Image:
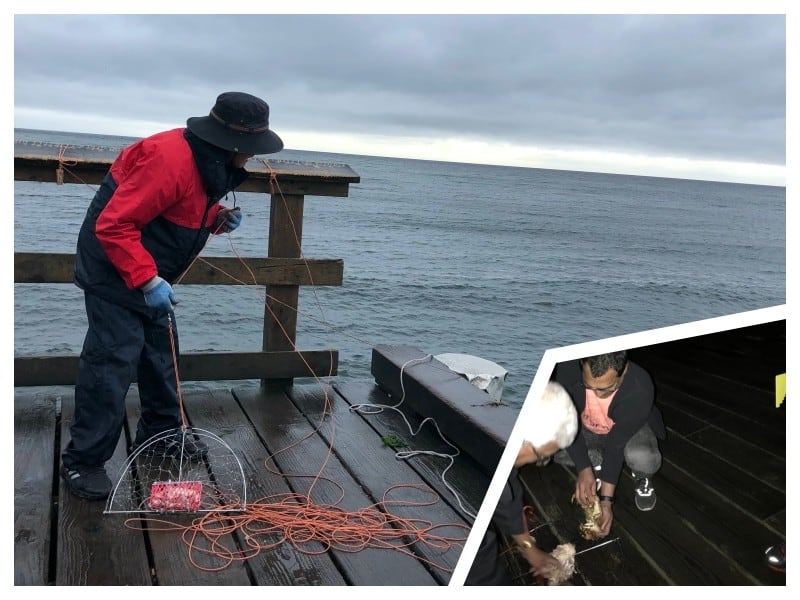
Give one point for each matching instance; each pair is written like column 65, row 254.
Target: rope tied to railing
column 62, row 162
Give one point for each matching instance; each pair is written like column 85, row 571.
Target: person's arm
column 569, row 375
column 540, row 561
column 607, row 491
column 510, row 520
column 145, row 192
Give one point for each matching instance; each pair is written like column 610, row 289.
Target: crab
column 565, row 555
column 590, row 528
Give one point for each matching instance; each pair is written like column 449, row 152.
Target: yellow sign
column 780, row 389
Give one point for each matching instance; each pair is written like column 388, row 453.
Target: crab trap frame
column 183, row 470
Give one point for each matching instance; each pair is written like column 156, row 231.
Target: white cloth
column 482, row 373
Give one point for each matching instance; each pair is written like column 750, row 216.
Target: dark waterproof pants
column 121, row 343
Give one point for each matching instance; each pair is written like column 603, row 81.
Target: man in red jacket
column 147, row 223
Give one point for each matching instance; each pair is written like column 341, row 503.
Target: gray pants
column 641, row 452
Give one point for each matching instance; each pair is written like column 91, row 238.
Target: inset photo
column 656, row 458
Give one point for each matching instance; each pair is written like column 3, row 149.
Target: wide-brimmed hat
column 238, row 122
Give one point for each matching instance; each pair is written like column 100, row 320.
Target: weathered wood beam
column 35, row 267
column 198, row 366
column 89, row 164
column 285, row 241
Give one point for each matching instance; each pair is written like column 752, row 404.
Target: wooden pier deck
column 722, row 485
column 302, row 439
column 63, row 540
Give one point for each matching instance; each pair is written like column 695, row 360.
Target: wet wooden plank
column 724, row 392
column 777, row 522
column 34, row 455
column 751, row 458
column 753, row 431
column 749, row 356
column 313, row 469
column 466, row 476
column 382, row 475
column 737, row 533
column 216, row 411
column 731, row 482
column 672, row 541
column 93, row 548
column 680, row 421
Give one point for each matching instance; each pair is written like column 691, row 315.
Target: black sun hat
column 238, row 122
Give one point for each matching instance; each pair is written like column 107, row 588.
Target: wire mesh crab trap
column 183, row 470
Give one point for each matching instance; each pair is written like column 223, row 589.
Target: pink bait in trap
column 176, row 496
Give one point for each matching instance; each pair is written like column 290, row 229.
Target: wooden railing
column 283, row 271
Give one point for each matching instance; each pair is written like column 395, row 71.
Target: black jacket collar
column 218, row 177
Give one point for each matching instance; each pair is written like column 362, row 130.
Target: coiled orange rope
column 310, row 528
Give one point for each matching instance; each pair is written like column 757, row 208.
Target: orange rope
column 310, row 528
column 62, row 163
column 175, row 367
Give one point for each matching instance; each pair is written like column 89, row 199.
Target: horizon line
column 401, row 156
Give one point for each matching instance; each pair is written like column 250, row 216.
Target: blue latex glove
column 158, row 294
column 228, row 219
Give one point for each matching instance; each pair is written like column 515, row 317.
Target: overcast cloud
column 693, row 87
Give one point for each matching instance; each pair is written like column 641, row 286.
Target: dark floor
column 61, row 540
column 722, row 485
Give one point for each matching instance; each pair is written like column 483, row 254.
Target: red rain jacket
column 151, row 216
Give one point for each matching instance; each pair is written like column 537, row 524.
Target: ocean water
column 498, row 262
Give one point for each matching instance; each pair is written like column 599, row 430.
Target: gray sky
column 697, row 96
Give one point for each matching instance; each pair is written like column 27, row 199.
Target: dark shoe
column 645, row 495
column 91, row 483
column 175, row 444
column 776, row 557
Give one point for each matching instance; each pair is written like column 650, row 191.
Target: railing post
column 285, row 241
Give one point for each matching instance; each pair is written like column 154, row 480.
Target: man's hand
column 540, row 561
column 606, row 519
column 586, row 487
column 227, row 220
column 158, row 294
